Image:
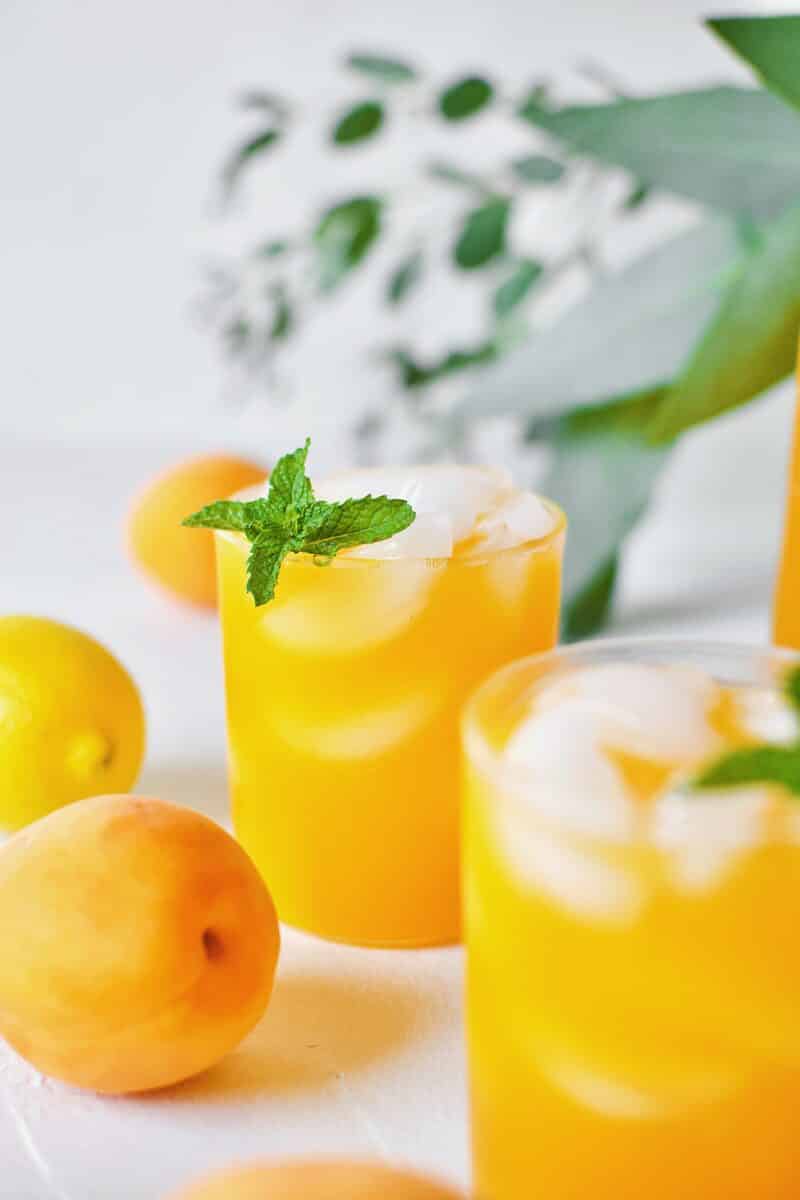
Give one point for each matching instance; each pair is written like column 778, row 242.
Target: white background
column 114, row 119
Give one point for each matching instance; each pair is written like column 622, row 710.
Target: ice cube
column 363, row 735
column 705, row 834
column 347, row 607
column 657, row 712
column 579, row 880
column 459, row 494
column 766, row 716
column 567, row 777
column 519, row 518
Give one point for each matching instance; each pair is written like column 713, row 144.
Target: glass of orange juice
column 786, row 615
column 633, row 974
column 343, row 696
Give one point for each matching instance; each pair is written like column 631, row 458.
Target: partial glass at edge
column 647, row 1043
column 343, row 700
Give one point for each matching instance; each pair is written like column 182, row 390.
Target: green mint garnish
column 289, row 520
column 761, row 763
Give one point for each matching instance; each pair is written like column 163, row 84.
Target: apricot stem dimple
column 212, row 945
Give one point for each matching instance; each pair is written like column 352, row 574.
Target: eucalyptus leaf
column 465, row 98
column 450, row 173
column 733, row 149
column 634, row 330
column 538, row 168
column 282, row 314
column 253, row 148
column 770, row 45
column 387, row 70
column 358, row 123
column 483, row 234
column 404, row 278
column 343, row 236
column 751, row 344
column 589, row 609
column 269, row 103
column 519, row 283
column 603, row 479
column 414, row 374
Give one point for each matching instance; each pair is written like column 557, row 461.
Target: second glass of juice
column 633, row 974
column 343, row 697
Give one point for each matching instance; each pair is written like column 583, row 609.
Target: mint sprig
column 290, row 520
column 761, row 763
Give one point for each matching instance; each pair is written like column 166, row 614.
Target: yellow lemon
column 71, row 720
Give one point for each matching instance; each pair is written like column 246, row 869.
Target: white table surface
column 360, row 1051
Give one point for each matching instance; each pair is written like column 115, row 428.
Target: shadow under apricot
column 316, row 1027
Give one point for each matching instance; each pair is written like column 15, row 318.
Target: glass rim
column 477, row 746
column 537, row 544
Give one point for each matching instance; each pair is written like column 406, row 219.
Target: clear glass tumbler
column 343, row 701
column 633, row 971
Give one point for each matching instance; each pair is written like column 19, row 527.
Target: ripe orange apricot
column 138, row 943
column 320, row 1179
column 182, row 560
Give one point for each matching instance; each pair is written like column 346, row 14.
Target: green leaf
column 272, row 249
column 343, row 236
column 770, row 45
column 752, row 342
column 415, row 374
column 355, row 523
column 269, row 103
column 253, row 148
column 359, row 123
column 516, row 287
column 388, row 70
column 222, row 514
column 754, row 764
column 603, row 480
column 791, row 689
column 269, row 548
column 633, row 331
column 450, row 173
column 589, row 609
column 465, row 98
column 290, row 490
column 535, row 102
column 733, row 149
column 282, row 314
column 404, row 278
column 538, row 168
column 483, row 234
column 639, row 194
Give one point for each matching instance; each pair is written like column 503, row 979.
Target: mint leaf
column 791, row 689
column 754, row 764
column 759, row 764
column 222, row 514
column 290, row 520
column 356, row 523
column 267, row 553
column 290, row 490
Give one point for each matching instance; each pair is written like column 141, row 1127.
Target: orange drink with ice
column 787, row 595
column 343, row 695
column 633, row 973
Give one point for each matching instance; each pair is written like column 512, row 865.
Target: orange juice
column 633, row 975
column 343, row 695
column 787, row 596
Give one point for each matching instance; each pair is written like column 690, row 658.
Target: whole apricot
column 138, row 944
column 181, row 560
column 320, row 1179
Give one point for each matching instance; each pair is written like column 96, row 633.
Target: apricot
column 181, row 560
column 321, row 1179
column 138, row 944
